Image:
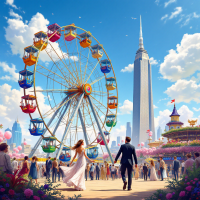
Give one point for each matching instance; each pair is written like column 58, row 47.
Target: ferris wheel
column 70, row 71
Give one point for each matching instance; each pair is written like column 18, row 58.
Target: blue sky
column 171, row 33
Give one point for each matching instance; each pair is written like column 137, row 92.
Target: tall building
column 10, row 141
column 159, row 132
column 17, row 133
column 128, row 129
column 119, row 139
column 166, row 128
column 113, row 144
column 26, row 149
column 143, row 113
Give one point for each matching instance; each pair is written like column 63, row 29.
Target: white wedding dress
column 153, row 176
column 75, row 175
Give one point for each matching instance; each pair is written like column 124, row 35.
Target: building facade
column 159, row 133
column 143, row 113
column 119, row 139
column 16, row 133
column 113, row 144
column 128, row 129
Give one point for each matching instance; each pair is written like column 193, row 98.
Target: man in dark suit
column 97, row 171
column 48, row 167
column 128, row 152
column 176, row 165
column 145, row 170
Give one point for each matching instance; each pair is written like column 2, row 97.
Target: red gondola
column 27, row 105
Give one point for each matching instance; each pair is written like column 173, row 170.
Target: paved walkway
column 112, row 190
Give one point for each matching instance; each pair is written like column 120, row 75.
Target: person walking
column 128, row 152
column 48, row 167
column 25, row 168
column 197, row 160
column 137, row 173
column 145, row 170
column 97, row 171
column 60, row 172
column 107, row 171
column 153, row 176
column 162, row 167
column 182, row 167
column 158, row 168
column 43, row 171
column 102, row 172
column 188, row 164
column 5, row 164
column 87, row 169
column 149, row 171
column 54, row 170
column 113, row 172
column 176, row 165
column 34, row 169
column 14, row 165
column 92, row 172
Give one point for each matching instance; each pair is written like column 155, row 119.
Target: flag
column 173, row 101
column 148, row 131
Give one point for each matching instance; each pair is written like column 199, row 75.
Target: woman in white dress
column 164, row 173
column 75, row 175
column 153, row 176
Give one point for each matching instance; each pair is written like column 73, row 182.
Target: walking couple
column 74, row 175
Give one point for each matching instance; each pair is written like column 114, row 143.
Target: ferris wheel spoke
column 98, row 79
column 86, row 64
column 78, row 58
column 92, row 71
column 51, row 78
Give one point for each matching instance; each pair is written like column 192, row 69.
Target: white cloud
column 177, row 11
column 118, row 132
column 153, row 61
column 126, row 108
column 129, row 68
column 164, row 17
column 154, row 106
column 13, row 14
column 184, row 61
column 11, row 3
column 169, row 2
column 190, row 27
column 196, row 15
column 10, row 70
column 184, row 91
column 196, row 109
column 162, row 99
column 163, row 118
column 157, row 2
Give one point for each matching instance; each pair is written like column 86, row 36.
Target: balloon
column 22, row 155
column 1, row 134
column 1, row 139
column 122, row 140
column 25, row 143
column 10, row 154
column 7, row 135
column 138, row 145
column 118, row 144
column 150, row 133
column 19, row 148
column 16, row 150
column 142, row 144
column 14, row 154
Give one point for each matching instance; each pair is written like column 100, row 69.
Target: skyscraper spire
column 141, row 46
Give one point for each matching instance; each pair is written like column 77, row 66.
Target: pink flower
column 185, row 180
column 28, row 192
column 193, row 182
column 36, row 198
column 189, row 188
column 169, row 196
column 2, row 189
column 199, row 182
column 11, row 192
column 186, row 177
column 182, row 194
column 196, row 179
column 188, row 183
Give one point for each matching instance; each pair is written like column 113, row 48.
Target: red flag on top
column 148, row 131
column 173, row 101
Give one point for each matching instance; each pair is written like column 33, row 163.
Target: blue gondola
column 92, row 152
column 36, row 127
column 105, row 66
column 65, row 156
column 25, row 79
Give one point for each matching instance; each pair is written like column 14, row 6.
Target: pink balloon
column 138, row 145
column 7, row 135
column 1, row 139
column 14, row 154
column 1, row 133
column 16, row 150
column 25, row 143
column 150, row 133
column 118, row 144
column 19, row 148
column 142, row 144
column 122, row 140
column 10, row 154
column 22, row 155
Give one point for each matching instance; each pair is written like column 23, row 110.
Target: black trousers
column 123, row 170
column 161, row 173
column 145, row 176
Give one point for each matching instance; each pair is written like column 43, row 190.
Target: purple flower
column 169, row 196
column 160, row 195
column 182, row 194
column 189, row 188
column 173, row 193
column 40, row 192
column 46, row 186
column 196, row 179
column 7, row 185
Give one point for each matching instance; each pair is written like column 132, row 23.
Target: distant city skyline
column 128, row 129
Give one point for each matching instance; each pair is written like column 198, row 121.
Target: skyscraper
column 159, row 132
column 17, row 133
column 143, row 113
column 128, row 129
column 113, row 144
column 119, row 139
column 10, row 141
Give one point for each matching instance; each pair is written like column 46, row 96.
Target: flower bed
column 18, row 188
column 187, row 188
column 181, row 129
column 173, row 143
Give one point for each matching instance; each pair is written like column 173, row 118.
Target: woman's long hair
column 77, row 145
column 152, row 163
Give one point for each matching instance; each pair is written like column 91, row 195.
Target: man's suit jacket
column 97, row 168
column 128, row 152
column 145, row 169
column 176, row 165
column 48, row 164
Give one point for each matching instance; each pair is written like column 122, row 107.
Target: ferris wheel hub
column 87, row 89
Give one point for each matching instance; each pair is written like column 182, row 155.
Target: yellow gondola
column 29, row 58
column 85, row 39
column 96, row 51
column 110, row 83
column 39, row 40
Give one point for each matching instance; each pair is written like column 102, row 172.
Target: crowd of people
column 104, row 171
